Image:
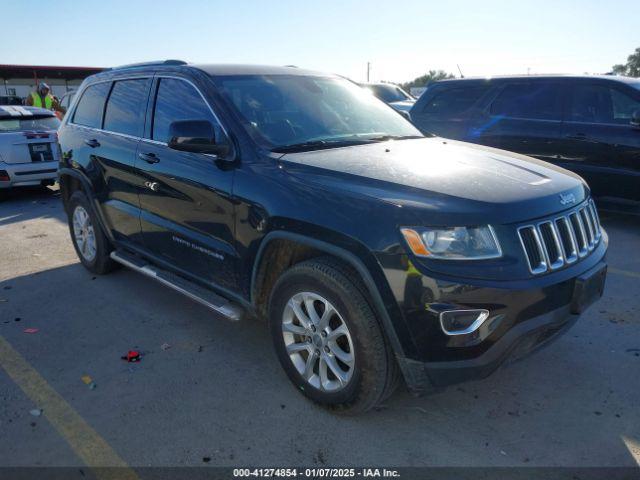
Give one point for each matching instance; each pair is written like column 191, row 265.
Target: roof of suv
column 501, row 78
column 231, row 69
column 214, row 69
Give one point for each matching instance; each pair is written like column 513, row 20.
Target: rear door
column 599, row 142
column 108, row 156
column 187, row 209
column 123, row 126
column 523, row 117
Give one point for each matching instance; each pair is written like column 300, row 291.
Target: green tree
column 631, row 68
column 424, row 80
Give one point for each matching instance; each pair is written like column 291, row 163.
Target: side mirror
column 197, row 136
column 635, row 119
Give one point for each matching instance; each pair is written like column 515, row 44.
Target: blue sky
column 401, row 39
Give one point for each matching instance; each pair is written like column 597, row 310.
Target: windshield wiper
column 384, row 138
column 318, row 145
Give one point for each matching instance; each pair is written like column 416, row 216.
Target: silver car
column 29, row 151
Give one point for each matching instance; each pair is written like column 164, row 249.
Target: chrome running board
column 195, row 292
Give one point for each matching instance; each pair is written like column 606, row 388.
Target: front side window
column 91, row 105
column 539, row 101
column 126, row 107
column 28, row 124
column 177, row 100
column 316, row 111
column 454, row 101
column 601, row 104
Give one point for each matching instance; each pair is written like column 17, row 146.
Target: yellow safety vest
column 37, row 100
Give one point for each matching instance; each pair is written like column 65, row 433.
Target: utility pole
column 368, row 70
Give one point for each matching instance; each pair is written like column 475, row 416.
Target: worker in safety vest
column 42, row 98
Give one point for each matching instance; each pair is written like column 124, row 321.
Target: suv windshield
column 34, row 123
column 389, row 93
column 309, row 112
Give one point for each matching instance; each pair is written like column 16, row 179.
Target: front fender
column 374, row 280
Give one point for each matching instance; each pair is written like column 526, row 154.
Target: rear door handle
column 149, row 157
column 93, row 143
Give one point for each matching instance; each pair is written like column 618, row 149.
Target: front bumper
column 32, row 173
column 523, row 317
column 518, row 342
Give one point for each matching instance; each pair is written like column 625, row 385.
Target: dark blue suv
column 374, row 252
column 587, row 124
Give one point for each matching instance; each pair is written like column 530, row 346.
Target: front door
column 186, row 206
column 599, row 143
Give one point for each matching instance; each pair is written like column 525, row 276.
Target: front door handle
column 93, row 143
column 149, row 157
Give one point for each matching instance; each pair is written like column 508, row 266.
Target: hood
column 442, row 176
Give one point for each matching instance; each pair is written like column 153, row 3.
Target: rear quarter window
column 91, row 105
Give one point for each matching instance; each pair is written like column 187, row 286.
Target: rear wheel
column 328, row 339
column 92, row 246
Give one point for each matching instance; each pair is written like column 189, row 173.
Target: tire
column 96, row 260
column 368, row 374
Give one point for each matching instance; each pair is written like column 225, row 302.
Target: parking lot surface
column 216, row 395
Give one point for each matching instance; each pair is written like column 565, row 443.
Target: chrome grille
column 554, row 243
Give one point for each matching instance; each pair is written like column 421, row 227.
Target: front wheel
column 328, row 339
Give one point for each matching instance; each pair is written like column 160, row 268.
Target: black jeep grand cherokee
column 299, row 197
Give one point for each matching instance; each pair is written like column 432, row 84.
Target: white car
column 29, row 151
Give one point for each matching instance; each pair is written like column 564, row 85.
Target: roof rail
column 150, row 64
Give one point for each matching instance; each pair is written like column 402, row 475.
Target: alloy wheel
column 318, row 342
column 84, row 234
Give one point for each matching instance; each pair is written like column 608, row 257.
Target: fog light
column 4, row 176
column 462, row 322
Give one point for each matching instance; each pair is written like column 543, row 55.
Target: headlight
column 453, row 243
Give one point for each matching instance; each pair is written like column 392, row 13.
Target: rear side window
column 454, row 101
column 126, row 106
column 601, row 104
column 178, row 100
column 532, row 101
column 91, row 105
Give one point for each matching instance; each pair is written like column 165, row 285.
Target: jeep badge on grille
column 567, row 199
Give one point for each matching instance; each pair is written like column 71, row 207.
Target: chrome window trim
column 139, row 77
column 80, row 94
